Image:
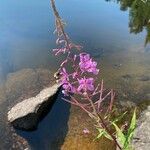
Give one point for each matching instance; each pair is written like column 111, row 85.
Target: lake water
column 116, row 34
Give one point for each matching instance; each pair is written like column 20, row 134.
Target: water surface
column 115, row 33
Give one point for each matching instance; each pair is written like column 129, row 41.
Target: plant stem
column 103, row 123
column 58, row 18
column 109, row 132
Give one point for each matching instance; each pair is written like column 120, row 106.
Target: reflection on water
column 139, row 16
column 26, row 39
column 104, row 31
column 52, row 130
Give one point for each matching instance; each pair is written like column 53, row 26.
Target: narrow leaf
column 101, row 133
column 119, row 118
column 120, row 135
column 131, row 129
column 107, row 136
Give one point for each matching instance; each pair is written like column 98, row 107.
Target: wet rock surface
column 141, row 140
column 144, row 78
column 26, row 114
column 124, row 79
column 19, row 143
column 77, row 140
column 9, row 140
column 26, row 83
column 19, row 85
column 127, row 76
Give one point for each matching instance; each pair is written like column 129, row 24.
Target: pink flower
column 86, row 131
column 84, row 57
column 86, row 84
column 64, row 76
column 87, row 64
column 74, row 75
column 68, row 88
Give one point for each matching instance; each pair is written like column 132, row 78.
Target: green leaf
column 131, row 129
column 102, row 132
column 121, row 137
column 107, row 136
column 119, row 118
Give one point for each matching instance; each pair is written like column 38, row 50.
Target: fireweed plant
column 81, row 88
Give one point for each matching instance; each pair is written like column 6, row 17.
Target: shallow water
column 117, row 39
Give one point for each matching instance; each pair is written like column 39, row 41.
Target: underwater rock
column 19, row 143
column 117, row 65
column 144, row 78
column 148, row 96
column 26, row 114
column 76, row 139
column 141, row 140
column 26, row 83
column 127, row 76
column 2, row 94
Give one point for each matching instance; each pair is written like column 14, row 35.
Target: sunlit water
column 27, row 39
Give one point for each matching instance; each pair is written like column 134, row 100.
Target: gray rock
column 26, row 83
column 141, row 140
column 144, row 78
column 26, row 114
column 148, row 96
column 127, row 104
column 117, row 65
column 127, row 76
column 2, row 94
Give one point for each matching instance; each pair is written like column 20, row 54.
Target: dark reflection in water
column 52, row 130
column 139, row 16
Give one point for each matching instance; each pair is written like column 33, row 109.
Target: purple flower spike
column 68, row 88
column 74, row 75
column 87, row 64
column 64, row 76
column 84, row 57
column 86, row 84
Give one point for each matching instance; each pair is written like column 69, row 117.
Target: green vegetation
column 123, row 137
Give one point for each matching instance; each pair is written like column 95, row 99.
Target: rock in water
column 26, row 114
column 141, row 140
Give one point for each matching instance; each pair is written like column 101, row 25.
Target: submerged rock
column 77, row 139
column 26, row 114
column 26, row 83
column 127, row 76
column 19, row 143
column 144, row 78
column 141, row 140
